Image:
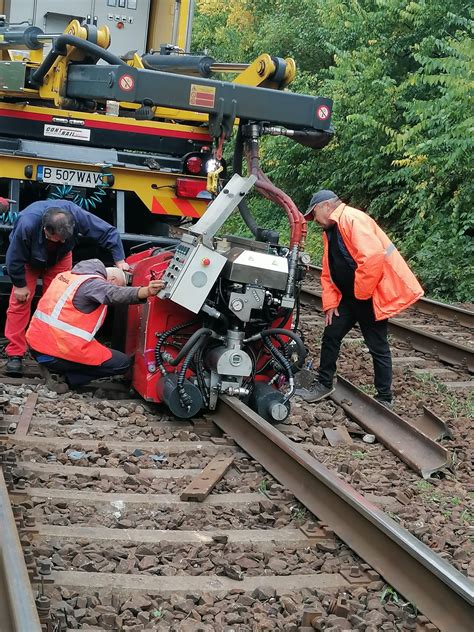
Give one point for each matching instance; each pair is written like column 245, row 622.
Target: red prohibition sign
column 126, row 83
column 322, row 112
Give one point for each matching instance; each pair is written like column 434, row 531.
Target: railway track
column 443, row 345
column 123, row 530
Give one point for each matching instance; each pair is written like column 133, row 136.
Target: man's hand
column 151, row 289
column 154, row 287
column 329, row 314
column 123, row 265
column 22, row 294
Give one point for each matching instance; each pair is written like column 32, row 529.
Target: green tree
column 400, row 75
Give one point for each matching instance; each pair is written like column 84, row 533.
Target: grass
column 359, row 454
column 263, row 486
column 446, row 504
column 389, row 594
column 299, row 513
column 458, row 407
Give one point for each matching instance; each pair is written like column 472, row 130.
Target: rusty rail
column 446, row 350
column 464, row 317
column 403, row 438
column 17, row 605
column 439, row 591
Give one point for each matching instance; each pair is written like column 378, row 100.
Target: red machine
column 222, row 323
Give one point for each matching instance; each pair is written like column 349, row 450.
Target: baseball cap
column 320, row 196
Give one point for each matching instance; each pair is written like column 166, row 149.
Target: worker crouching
column 62, row 331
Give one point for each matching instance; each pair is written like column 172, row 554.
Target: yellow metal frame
column 119, row 120
column 155, row 189
column 259, row 71
column 146, row 184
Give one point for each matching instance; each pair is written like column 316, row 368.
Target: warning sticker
column 204, row 96
column 323, row 112
column 126, row 83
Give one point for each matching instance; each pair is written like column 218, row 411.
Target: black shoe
column 385, row 402
column 14, row 366
column 315, row 393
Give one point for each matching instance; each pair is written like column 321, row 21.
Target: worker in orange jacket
column 61, row 335
column 366, row 281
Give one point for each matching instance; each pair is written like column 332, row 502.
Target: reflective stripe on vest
column 389, row 250
column 54, row 321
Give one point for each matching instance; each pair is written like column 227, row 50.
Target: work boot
column 315, row 393
column 385, row 402
column 53, row 382
column 14, row 366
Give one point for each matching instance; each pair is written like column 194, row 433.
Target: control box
column 191, row 274
column 126, row 19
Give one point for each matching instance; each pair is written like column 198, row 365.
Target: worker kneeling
column 62, row 331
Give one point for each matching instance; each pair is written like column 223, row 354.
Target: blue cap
column 320, row 196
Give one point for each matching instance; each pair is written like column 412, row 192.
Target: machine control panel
column 191, row 274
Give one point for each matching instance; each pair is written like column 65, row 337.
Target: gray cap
column 320, row 196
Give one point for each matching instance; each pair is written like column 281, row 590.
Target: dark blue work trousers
column 77, row 374
column 375, row 332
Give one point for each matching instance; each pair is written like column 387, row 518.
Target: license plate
column 73, row 177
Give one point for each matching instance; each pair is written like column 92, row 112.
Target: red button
column 206, row 261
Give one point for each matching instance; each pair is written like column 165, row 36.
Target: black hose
column 59, row 49
column 199, row 333
column 278, row 356
column 184, row 398
column 275, row 331
column 161, row 339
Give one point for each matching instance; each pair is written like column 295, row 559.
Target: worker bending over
column 40, row 246
column 62, row 331
column 365, row 280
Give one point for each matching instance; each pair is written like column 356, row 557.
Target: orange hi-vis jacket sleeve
column 381, row 273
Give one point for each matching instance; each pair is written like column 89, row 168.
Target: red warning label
column 126, row 83
column 204, row 96
column 323, row 112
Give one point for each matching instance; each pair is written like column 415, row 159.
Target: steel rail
column 440, row 592
column 446, row 350
column 403, row 438
column 463, row 316
column 17, row 605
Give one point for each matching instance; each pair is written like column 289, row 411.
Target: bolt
column 28, row 555
column 30, row 521
column 310, row 615
column 355, row 571
column 43, row 604
column 44, row 567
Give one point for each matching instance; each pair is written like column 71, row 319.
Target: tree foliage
column 400, row 73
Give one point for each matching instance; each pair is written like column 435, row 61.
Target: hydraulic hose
column 265, row 187
column 265, row 234
column 197, row 335
column 284, row 363
column 278, row 331
column 161, row 339
column 60, row 49
column 184, row 398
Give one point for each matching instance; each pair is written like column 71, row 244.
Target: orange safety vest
column 58, row 329
column 381, row 274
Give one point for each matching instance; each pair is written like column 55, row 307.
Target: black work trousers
column 77, row 374
column 375, row 332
